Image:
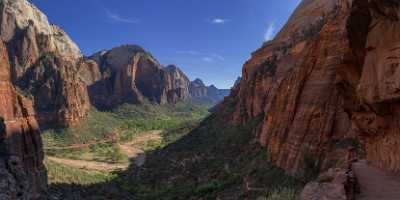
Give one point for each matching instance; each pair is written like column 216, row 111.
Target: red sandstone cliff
column 129, row 74
column 329, row 75
column 23, row 175
column 44, row 64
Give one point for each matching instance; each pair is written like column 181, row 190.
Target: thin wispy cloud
column 218, row 57
column 269, row 34
column 219, row 21
column 206, row 57
column 188, row 52
column 213, row 58
column 117, row 18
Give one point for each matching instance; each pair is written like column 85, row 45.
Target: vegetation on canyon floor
column 200, row 160
column 102, row 137
column 125, row 122
column 215, row 160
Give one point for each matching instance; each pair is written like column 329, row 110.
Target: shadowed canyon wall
column 23, row 175
column 330, row 75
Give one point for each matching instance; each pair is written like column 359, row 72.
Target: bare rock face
column 176, row 85
column 129, row 74
column 59, row 93
column 44, row 64
column 329, row 76
column 376, row 117
column 198, row 90
column 292, row 81
column 23, row 175
column 335, row 184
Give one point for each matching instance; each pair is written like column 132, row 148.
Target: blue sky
column 207, row 39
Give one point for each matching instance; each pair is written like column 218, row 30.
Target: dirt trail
column 376, row 184
column 133, row 149
column 78, row 146
column 90, row 165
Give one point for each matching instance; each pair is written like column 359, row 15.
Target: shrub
column 58, row 173
column 312, row 166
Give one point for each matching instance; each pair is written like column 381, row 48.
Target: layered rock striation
column 23, row 175
column 328, row 77
column 129, row 74
column 44, row 64
column 198, row 90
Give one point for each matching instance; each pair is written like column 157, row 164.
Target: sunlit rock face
column 23, row 175
column 328, row 76
column 129, row 74
column 44, row 64
column 198, row 90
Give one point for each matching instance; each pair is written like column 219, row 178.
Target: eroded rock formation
column 212, row 94
column 378, row 90
column 332, row 185
column 23, row 175
column 129, row 74
column 329, row 76
column 44, row 64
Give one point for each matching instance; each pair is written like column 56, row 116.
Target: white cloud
column 118, row 18
column 208, row 59
column 269, row 34
column 218, row 57
column 188, row 52
column 219, row 21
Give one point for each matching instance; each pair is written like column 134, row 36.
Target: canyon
column 323, row 93
column 47, row 82
column 50, row 68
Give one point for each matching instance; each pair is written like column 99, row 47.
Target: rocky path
column 376, row 184
column 133, row 149
column 90, row 165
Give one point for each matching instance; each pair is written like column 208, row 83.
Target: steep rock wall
column 378, row 89
column 198, row 90
column 40, row 52
column 129, row 74
column 328, row 77
column 23, row 175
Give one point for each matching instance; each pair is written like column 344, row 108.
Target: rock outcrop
column 336, row 184
column 129, row 74
column 328, row 77
column 44, row 64
column 198, row 90
column 376, row 116
column 23, row 175
column 176, row 85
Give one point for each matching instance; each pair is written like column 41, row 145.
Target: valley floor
column 163, row 153
column 133, row 149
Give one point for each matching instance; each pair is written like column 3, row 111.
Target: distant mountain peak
column 171, row 68
column 132, row 48
column 198, row 82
